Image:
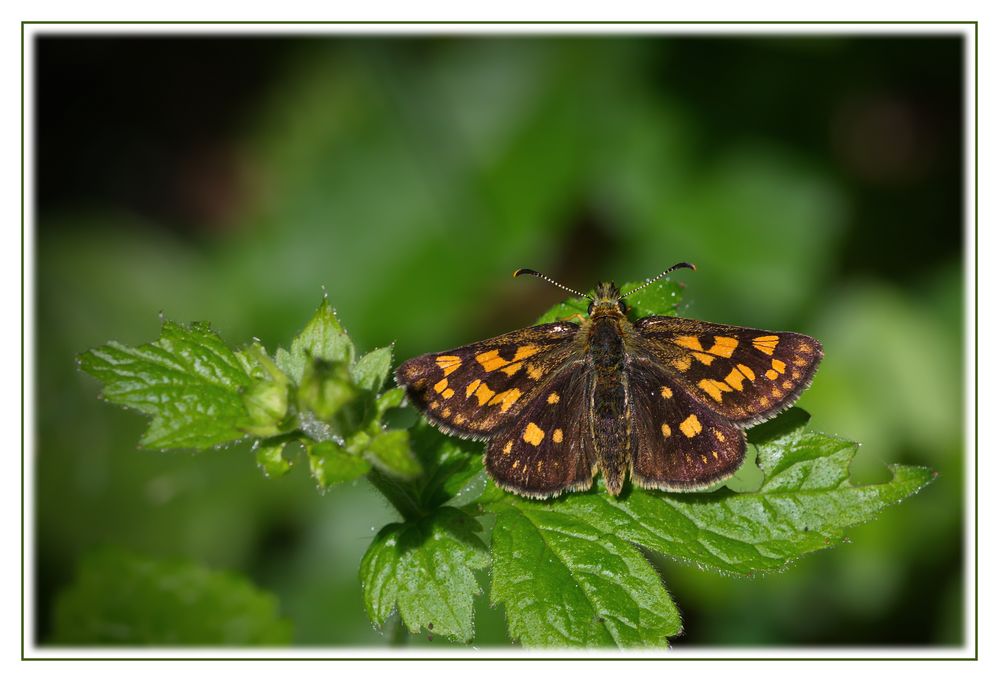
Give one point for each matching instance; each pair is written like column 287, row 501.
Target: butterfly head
column 607, row 298
column 607, row 301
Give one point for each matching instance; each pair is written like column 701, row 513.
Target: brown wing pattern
column 548, row 448
column 744, row 374
column 677, row 443
column 473, row 390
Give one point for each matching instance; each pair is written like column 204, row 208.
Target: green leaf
column 266, row 404
column 323, row 338
column 390, row 399
column 659, row 298
column 187, row 380
column 568, row 308
column 371, row 370
column 425, row 569
column 331, row 464
column 567, row 582
column 119, row 598
column 270, row 459
column 805, row 503
column 390, row 452
column 326, row 388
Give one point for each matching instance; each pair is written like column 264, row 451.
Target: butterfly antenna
column 535, row 273
column 689, row 266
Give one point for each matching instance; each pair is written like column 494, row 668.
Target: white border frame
column 966, row 30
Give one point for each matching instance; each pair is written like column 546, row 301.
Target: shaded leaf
column 390, row 452
column 331, row 464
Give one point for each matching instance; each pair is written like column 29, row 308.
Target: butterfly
column 663, row 400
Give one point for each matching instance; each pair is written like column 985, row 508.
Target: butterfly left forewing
column 743, row 374
column 473, row 390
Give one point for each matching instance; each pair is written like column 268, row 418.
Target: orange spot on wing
column 766, row 344
column 448, row 363
column 666, row 392
column 724, row 346
column 735, row 379
column 746, row 372
column 553, row 398
column 440, row 385
column 484, row 393
column 534, row 371
column 533, row 434
column 666, row 430
column 506, row 399
column 510, row 370
column 772, row 374
column 690, row 426
column 525, row 352
column 714, row 388
column 682, row 364
column 471, row 388
column 704, row 358
column 690, row 342
column 557, row 435
column 491, row 360
column 778, row 365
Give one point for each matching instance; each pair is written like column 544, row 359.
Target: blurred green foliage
column 815, row 183
column 120, row 599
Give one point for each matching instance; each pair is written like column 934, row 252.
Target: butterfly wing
column 744, row 374
column 548, row 448
column 677, row 444
column 474, row 389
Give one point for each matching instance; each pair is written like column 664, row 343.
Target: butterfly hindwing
column 746, row 375
column 475, row 389
column 677, row 444
column 548, row 448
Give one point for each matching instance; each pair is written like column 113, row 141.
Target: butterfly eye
column 623, row 307
column 589, row 308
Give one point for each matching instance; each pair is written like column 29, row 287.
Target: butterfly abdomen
column 609, row 401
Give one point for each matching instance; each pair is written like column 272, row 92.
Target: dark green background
column 816, row 183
